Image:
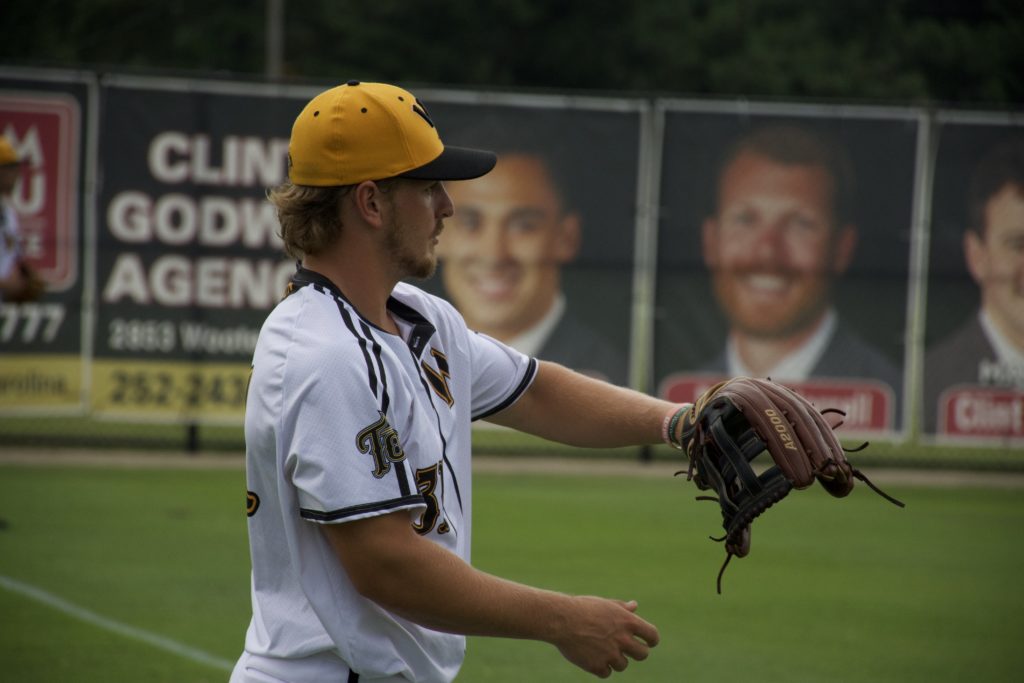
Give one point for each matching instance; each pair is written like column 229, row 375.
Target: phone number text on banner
column 200, row 392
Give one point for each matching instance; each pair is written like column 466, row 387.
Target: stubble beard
column 410, row 259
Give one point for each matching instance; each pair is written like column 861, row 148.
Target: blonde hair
column 310, row 217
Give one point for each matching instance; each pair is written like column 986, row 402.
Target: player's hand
column 602, row 634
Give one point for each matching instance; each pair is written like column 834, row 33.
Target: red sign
column 869, row 405
column 45, row 130
column 981, row 412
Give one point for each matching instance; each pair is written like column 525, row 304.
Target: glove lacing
column 773, row 494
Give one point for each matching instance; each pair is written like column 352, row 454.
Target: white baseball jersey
column 10, row 240
column 345, row 421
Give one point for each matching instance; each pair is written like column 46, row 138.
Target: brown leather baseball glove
column 733, row 423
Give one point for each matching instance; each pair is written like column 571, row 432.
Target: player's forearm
column 424, row 583
column 436, row 589
column 565, row 406
column 454, row 597
column 412, row 577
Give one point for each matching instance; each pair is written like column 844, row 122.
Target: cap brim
column 455, row 163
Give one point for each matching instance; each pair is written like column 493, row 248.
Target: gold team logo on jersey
column 252, row 503
column 438, row 378
column 380, row 440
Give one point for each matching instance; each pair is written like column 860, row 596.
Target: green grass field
column 88, row 432
column 849, row 590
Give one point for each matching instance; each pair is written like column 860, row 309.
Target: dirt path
column 482, row 463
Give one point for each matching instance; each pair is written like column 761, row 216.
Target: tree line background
column 968, row 52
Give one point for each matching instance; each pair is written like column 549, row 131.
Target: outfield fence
column 142, row 204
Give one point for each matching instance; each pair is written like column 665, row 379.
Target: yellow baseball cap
column 8, row 156
column 372, row 131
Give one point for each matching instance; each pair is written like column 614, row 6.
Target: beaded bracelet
column 669, row 424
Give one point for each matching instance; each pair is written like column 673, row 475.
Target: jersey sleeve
column 344, row 457
column 500, row 374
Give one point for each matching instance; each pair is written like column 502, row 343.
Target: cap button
column 353, row 82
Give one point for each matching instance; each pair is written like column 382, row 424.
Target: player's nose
column 445, row 205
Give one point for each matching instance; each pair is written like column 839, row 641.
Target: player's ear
column 709, row 242
column 567, row 244
column 845, row 246
column 975, row 256
column 368, row 202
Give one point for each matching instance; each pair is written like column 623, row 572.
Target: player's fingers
column 647, row 632
column 619, row 664
column 642, row 629
column 629, row 605
column 636, row 649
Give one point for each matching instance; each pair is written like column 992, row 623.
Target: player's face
column 505, row 246
column 419, row 208
column 773, row 247
column 997, row 261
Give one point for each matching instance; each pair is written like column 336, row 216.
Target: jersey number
column 426, row 483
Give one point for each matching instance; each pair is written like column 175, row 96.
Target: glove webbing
column 776, row 488
column 739, row 455
column 756, row 493
column 737, row 467
column 742, row 495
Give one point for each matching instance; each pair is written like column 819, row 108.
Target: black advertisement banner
column 539, row 253
column 784, row 250
column 870, row 257
column 188, row 259
column 974, row 340
column 41, row 350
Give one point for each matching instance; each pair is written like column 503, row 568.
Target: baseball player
column 358, row 418
column 12, row 278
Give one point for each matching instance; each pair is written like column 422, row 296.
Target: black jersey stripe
column 304, row 277
column 367, row 344
column 444, row 443
column 379, row 506
column 455, row 480
column 376, row 376
column 370, row 373
column 422, row 329
column 440, row 432
column 385, row 400
column 402, row 476
column 531, row 372
column 385, row 403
